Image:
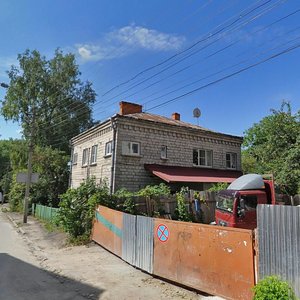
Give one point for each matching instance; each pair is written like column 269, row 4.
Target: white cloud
column 127, row 40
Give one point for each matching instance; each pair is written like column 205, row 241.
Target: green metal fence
column 44, row 212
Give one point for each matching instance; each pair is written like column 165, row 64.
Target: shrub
column 273, row 288
column 183, row 214
column 127, row 197
column 218, row 187
column 77, row 207
column 155, row 191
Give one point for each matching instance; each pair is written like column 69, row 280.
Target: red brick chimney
column 127, row 108
column 176, row 116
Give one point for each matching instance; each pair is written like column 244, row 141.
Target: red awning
column 184, row 174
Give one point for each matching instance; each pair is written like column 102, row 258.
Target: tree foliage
column 272, row 146
column 51, row 92
column 52, row 167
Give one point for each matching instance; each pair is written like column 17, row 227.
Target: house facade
column 134, row 149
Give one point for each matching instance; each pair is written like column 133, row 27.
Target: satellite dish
column 197, row 112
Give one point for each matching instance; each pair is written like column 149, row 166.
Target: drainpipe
column 71, row 165
column 113, row 157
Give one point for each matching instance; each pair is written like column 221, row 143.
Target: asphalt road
column 21, row 277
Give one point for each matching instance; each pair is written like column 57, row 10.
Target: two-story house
column 133, row 149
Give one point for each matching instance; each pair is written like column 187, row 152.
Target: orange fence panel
column 108, row 228
column 213, row 259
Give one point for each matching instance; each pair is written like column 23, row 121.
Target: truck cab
column 236, row 206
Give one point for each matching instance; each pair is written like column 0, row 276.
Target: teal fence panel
column 45, row 212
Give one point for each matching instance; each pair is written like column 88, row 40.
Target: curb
column 15, row 224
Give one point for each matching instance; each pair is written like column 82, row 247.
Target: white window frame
column 85, row 157
column 75, row 158
column 108, row 148
column 94, row 154
column 164, row 152
column 232, row 160
column 207, row 163
column 127, row 148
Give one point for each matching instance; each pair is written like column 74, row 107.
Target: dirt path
column 93, row 265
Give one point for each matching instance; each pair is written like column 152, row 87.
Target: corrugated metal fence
column 137, row 241
column 213, row 259
column 44, row 212
column 279, row 243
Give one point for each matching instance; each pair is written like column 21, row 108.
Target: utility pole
column 29, row 165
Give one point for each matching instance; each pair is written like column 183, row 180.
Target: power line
column 196, row 51
column 94, row 110
column 187, row 49
column 225, row 77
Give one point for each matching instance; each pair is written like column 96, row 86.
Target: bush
column 218, row 187
column 155, row 191
column 77, row 207
column 183, row 214
column 127, row 197
column 273, row 288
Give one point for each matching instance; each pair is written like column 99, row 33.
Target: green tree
column 272, row 146
column 13, row 156
column 50, row 93
column 52, row 165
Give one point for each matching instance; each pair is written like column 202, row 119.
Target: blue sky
column 115, row 40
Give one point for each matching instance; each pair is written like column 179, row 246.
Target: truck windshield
column 225, row 203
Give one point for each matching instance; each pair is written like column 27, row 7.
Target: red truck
column 236, row 206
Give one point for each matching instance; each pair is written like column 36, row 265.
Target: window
column 163, row 152
column 202, row 157
column 131, row 148
column 75, row 158
column 108, row 148
column 85, row 156
column 94, row 154
column 250, row 202
column 231, row 160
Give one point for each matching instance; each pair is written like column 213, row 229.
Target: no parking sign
column 162, row 232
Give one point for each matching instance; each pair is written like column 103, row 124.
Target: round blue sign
column 162, row 232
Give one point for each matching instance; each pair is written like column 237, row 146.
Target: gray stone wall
column 180, row 142
column 129, row 170
column 102, row 168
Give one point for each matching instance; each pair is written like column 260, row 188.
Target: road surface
column 21, row 278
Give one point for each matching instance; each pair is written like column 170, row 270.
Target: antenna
column 197, row 114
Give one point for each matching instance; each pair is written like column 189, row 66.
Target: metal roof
column 192, row 174
column 164, row 120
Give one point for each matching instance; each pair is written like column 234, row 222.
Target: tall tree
column 49, row 96
column 273, row 146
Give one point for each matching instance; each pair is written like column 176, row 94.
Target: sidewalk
column 95, row 266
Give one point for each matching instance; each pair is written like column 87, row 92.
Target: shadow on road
column 22, row 281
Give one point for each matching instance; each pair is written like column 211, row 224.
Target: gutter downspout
column 113, row 157
column 71, row 165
